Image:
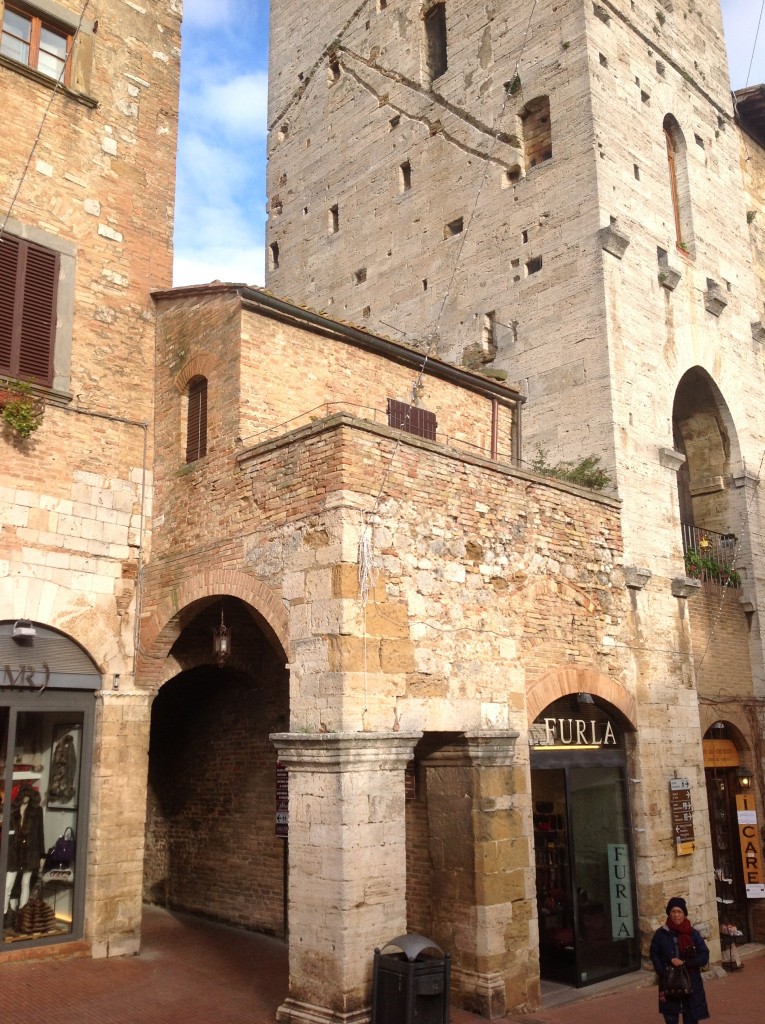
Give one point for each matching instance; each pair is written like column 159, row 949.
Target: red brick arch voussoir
column 566, row 679
column 162, row 628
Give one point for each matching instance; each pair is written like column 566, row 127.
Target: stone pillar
column 347, row 866
column 118, row 817
column 483, row 873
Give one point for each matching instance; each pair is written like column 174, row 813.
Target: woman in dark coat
column 676, row 942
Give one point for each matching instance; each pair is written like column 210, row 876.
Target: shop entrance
column 583, row 845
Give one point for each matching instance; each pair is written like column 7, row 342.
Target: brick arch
column 578, row 679
column 164, row 626
column 200, row 365
column 709, row 714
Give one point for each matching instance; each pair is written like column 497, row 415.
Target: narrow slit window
column 360, row 275
column 273, row 250
column 196, row 419
column 405, row 176
column 679, row 184
column 536, row 131
column 333, row 221
column 435, row 58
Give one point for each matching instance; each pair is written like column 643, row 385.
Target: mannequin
column 26, row 846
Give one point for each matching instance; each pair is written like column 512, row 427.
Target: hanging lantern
column 744, row 777
column 221, row 642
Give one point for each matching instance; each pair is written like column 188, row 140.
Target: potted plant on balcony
column 705, row 567
column 22, row 410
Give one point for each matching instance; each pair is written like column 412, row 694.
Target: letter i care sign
column 751, row 854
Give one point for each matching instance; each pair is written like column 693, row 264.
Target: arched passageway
column 211, row 842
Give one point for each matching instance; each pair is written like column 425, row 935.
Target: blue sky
column 221, row 198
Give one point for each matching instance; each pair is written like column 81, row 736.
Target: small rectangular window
column 333, row 222
column 273, row 251
column 360, row 275
column 402, row 416
column 454, row 227
column 534, row 266
column 405, row 176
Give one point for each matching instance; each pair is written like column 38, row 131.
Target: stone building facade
column 567, row 198
column 86, row 185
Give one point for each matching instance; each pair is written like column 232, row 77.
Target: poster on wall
column 749, row 840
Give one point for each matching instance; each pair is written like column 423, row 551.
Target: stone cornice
column 344, row 751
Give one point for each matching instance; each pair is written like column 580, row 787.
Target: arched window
column 196, row 419
column 679, row 184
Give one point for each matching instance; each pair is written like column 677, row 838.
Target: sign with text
column 622, row 915
column 751, row 852
column 282, row 801
column 681, row 810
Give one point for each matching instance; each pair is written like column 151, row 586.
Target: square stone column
column 118, row 822
column 483, row 872
column 347, row 866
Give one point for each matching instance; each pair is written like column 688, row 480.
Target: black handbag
column 676, row 982
column 61, row 854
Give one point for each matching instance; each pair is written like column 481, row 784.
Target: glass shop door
column 584, row 868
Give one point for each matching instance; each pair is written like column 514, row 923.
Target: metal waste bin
column 410, row 984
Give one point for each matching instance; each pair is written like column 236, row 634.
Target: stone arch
column 164, row 624
column 705, row 433
column 567, row 679
column 200, row 365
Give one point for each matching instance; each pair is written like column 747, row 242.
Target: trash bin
column 410, row 983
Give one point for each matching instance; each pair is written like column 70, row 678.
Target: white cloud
column 221, row 263
column 209, row 14
column 236, row 106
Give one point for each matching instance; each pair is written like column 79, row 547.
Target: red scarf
column 682, row 933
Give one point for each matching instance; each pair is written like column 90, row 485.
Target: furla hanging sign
column 587, row 729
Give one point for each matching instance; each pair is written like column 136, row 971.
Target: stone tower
column 559, row 193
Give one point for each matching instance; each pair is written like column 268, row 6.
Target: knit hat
column 677, row 901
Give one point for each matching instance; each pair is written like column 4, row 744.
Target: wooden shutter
column 196, row 429
column 28, row 294
column 411, row 419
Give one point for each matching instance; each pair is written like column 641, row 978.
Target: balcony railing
column 710, row 556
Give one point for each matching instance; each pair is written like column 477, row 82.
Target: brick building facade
column 86, row 185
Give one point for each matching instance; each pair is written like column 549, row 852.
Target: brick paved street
column 194, row 972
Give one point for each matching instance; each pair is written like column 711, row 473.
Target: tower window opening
column 679, row 184
column 435, row 57
column 454, row 227
column 536, row 131
column 333, row 220
column 273, row 252
column 405, row 176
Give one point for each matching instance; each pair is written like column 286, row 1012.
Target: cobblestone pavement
column 193, row 972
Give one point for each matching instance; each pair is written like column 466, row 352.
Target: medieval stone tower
column 558, row 192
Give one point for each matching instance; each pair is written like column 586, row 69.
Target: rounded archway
column 212, row 844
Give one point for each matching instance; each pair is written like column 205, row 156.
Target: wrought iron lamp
column 744, row 777
column 221, row 642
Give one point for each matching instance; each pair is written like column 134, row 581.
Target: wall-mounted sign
column 751, row 853
column 681, row 810
column 282, row 801
column 622, row 916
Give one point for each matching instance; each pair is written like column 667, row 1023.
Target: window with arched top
column 679, row 184
column 196, row 419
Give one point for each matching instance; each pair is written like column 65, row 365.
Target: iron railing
column 710, row 556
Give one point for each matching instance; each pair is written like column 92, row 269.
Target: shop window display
column 40, row 757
